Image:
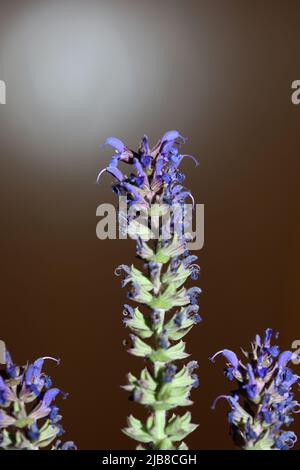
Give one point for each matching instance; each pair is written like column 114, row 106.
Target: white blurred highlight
column 75, row 74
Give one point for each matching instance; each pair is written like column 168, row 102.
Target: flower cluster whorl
column 263, row 404
column 28, row 418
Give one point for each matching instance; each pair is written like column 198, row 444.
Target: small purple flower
column 163, row 341
column 251, row 386
column 33, row 432
column 286, row 440
column 178, row 319
column 4, row 392
column 193, row 293
column 155, row 317
column 196, row 381
column 230, row 356
column 69, row 445
column 168, row 373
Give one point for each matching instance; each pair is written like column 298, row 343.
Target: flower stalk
column 168, row 309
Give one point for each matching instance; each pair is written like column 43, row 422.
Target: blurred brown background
column 77, row 72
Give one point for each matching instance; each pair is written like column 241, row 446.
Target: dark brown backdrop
column 76, row 72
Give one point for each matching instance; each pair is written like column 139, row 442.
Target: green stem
column 160, row 424
column 162, row 442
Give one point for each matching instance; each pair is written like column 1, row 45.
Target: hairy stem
column 162, row 442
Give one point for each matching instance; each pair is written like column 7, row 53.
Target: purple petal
column 117, row 144
column 258, row 340
column 50, row 358
column 284, row 358
column 139, row 168
column 251, row 375
column 49, row 396
column 267, row 337
column 8, row 359
column 113, row 171
column 146, row 161
column 121, row 268
column 159, row 166
column 231, row 400
column 37, row 367
column 100, row 174
column 171, row 135
column 144, row 146
column 166, row 147
column 182, row 195
column 230, row 356
column 177, row 189
column 131, row 189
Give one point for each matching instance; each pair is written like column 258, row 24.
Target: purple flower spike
column 150, row 189
column 263, row 403
column 37, row 425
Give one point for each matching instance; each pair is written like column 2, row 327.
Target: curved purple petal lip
column 192, row 157
column 57, row 360
column 49, row 396
column 137, row 165
column 251, row 374
column 229, row 355
column 117, row 144
column 230, row 399
column 171, row 135
column 2, row 383
column 113, row 171
column 284, row 358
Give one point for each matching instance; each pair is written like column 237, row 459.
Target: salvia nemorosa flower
column 263, row 404
column 29, row 417
column 168, row 309
column 156, row 177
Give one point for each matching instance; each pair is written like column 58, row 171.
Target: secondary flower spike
column 263, row 404
column 29, row 419
column 168, row 310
